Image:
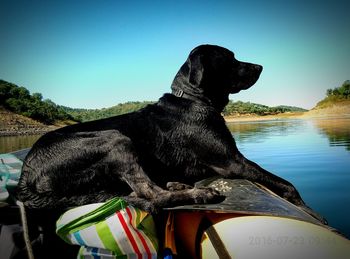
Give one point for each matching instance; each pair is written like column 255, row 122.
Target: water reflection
column 261, row 130
column 336, row 130
column 13, row 143
column 312, row 154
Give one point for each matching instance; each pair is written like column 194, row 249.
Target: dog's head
column 211, row 73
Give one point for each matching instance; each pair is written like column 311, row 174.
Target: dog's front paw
column 206, row 195
column 176, row 186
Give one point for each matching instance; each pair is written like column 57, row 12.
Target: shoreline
column 26, row 131
column 19, row 128
column 233, row 119
column 12, row 124
column 335, row 111
column 253, row 118
column 229, row 119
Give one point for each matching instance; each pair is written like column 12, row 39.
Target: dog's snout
column 246, row 69
column 258, row 68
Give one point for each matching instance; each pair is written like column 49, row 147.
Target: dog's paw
column 176, row 186
column 206, row 195
column 142, row 203
column 133, row 194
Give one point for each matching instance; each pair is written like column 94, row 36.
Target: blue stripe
column 94, row 253
column 78, row 237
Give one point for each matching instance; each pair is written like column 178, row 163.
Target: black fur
column 144, row 156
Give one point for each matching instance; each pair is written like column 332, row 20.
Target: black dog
column 150, row 157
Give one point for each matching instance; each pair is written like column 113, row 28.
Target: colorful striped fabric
column 109, row 230
column 10, row 171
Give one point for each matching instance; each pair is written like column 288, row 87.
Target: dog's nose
column 258, row 68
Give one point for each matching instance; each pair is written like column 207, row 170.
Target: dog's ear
column 196, row 68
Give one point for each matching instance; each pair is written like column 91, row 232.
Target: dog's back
column 72, row 166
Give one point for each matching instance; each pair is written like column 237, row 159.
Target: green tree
column 329, row 92
column 346, row 88
column 19, row 100
column 37, row 96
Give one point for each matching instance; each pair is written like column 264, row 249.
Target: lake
column 314, row 155
column 13, row 143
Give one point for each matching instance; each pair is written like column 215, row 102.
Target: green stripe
column 80, row 253
column 146, row 224
column 105, row 210
column 107, row 238
column 148, row 227
column 138, row 216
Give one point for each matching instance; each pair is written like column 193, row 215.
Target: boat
column 252, row 222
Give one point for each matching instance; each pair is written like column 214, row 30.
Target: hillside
column 94, row 114
column 20, row 101
column 338, row 96
column 25, row 113
column 336, row 109
column 336, row 103
column 15, row 124
column 238, row 108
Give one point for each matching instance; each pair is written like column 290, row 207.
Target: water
column 13, row 143
column 312, row 154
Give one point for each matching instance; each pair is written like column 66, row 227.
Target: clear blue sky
column 94, row 54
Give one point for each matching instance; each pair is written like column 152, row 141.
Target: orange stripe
column 128, row 233
column 143, row 241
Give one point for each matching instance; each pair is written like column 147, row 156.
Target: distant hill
column 25, row 113
column 19, row 100
column 94, row 114
column 244, row 108
column 233, row 108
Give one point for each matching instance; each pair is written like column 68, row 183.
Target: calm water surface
column 312, row 154
column 13, row 143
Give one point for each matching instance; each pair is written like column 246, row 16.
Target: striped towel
column 109, row 230
column 10, row 171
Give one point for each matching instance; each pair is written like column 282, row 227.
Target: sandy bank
column 281, row 116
